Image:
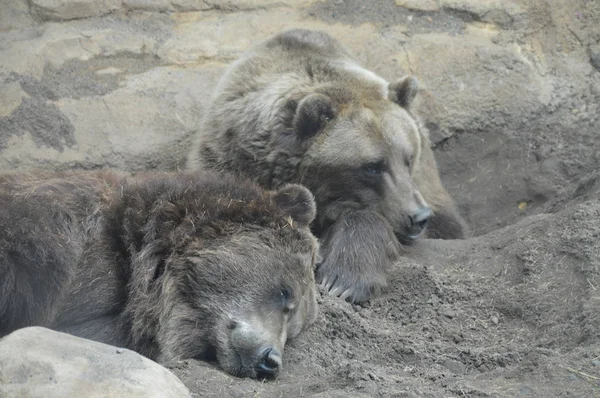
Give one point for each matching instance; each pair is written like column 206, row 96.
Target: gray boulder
column 39, row 362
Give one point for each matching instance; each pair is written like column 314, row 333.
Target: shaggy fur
column 170, row 265
column 298, row 108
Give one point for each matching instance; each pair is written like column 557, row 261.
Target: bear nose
column 418, row 221
column 270, row 362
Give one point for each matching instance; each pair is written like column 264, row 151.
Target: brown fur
column 298, row 108
column 170, row 265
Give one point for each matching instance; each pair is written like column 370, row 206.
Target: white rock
column 142, row 124
column 57, row 10
column 14, row 14
column 11, row 96
column 149, row 5
column 475, row 80
column 421, row 5
column 38, row 362
column 487, row 10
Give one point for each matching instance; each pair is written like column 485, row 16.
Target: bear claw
column 355, row 290
column 342, row 293
column 337, row 291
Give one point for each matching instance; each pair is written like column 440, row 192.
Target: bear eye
column 374, row 168
column 285, row 295
column 409, row 161
column 326, row 119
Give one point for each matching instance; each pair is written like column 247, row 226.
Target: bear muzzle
column 417, row 222
column 262, row 362
column 254, row 347
column 269, row 363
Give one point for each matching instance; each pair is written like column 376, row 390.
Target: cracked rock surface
column 511, row 96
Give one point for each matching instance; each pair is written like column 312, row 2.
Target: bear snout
column 418, row 221
column 269, row 363
column 254, row 348
column 262, row 362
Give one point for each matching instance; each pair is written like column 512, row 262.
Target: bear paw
column 354, row 288
column 357, row 251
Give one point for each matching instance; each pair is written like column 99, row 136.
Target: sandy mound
column 515, row 312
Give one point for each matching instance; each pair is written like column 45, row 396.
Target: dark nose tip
column 419, row 220
column 270, row 362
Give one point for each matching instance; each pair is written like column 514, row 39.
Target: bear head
column 360, row 146
column 299, row 109
column 231, row 267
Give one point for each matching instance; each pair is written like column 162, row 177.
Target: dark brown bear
column 298, row 108
column 173, row 266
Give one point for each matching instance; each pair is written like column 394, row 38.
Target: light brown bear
column 298, row 108
column 173, row 266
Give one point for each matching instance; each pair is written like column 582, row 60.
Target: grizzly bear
column 173, row 266
column 298, row 109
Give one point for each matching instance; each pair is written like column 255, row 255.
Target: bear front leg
column 357, row 250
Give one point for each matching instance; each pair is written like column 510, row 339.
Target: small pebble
column 120, row 350
column 494, row 320
column 448, row 313
column 525, row 391
column 454, row 366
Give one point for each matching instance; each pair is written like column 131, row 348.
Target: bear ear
column 297, row 202
column 167, row 216
column 403, row 91
column 313, row 113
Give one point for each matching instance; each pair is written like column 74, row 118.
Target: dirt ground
column 513, row 311
column 512, row 100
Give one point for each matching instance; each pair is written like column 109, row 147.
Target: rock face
column 123, row 83
column 38, row 362
column 511, row 96
column 57, row 10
